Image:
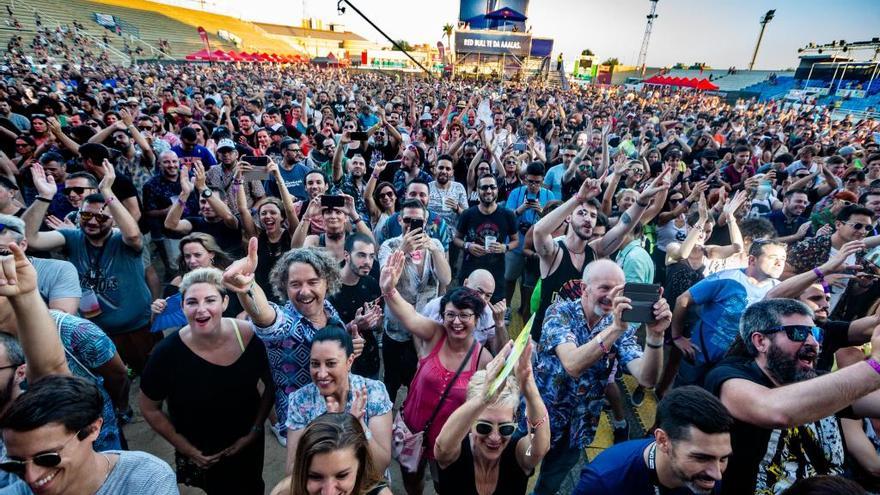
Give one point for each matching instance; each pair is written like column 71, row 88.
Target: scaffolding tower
column 643, row 53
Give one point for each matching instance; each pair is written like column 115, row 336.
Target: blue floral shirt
column 288, row 344
column 307, row 403
column 574, row 405
column 87, row 348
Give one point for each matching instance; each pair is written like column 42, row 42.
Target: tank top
column 426, row 388
column 669, row 232
column 564, row 282
column 459, row 479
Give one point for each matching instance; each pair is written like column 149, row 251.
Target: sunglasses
column 533, row 181
column 387, row 194
column 860, row 226
column 409, row 220
column 87, row 215
column 77, row 190
column 488, row 187
column 486, row 428
column 797, row 333
column 46, row 459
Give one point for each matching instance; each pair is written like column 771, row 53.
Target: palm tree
column 447, row 31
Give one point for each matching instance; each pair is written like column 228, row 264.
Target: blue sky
column 720, row 33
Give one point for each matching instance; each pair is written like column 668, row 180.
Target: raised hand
column 838, row 262
column 158, row 306
column 44, row 184
column 392, row 271
column 589, row 190
column 57, row 224
column 662, row 318
column 735, row 203
column 106, row 184
column 126, row 116
column 498, row 310
column 826, row 229
column 523, row 369
column 379, row 166
column 240, row 274
column 659, row 184
column 619, row 304
column 17, row 274
column 200, row 178
column 358, row 403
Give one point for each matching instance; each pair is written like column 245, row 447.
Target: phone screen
column 329, row 201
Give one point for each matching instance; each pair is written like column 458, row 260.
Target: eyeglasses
column 77, row 190
column 87, row 215
column 8, row 366
column 797, row 333
column 409, row 220
column 46, row 459
column 860, row 226
column 462, row 317
column 675, row 200
column 488, row 187
column 293, row 150
column 145, row 128
column 486, row 428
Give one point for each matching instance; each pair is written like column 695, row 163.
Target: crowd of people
column 290, row 248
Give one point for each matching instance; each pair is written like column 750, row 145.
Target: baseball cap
column 846, row 151
column 225, row 144
column 426, row 116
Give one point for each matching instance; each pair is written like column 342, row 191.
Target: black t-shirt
column 474, row 226
column 211, row 406
column 228, row 238
column 836, row 337
column 458, row 478
column 768, row 460
column 347, row 301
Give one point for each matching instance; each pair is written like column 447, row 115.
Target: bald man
column 580, row 341
column 490, row 329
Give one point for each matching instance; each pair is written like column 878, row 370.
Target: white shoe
column 280, row 433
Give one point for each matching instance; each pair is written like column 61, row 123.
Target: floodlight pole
column 341, row 10
column 764, row 20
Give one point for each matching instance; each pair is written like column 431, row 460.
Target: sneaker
column 638, row 396
column 621, row 434
column 280, row 433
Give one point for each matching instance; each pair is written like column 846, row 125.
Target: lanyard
column 652, row 467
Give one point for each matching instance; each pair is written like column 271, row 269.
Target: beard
column 6, row 392
column 785, row 368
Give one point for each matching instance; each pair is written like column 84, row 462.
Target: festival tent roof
column 235, row 56
column 702, row 84
column 200, row 55
column 506, row 14
column 221, row 56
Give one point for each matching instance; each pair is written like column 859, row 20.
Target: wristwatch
column 207, row 193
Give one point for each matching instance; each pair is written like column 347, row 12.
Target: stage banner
column 493, row 43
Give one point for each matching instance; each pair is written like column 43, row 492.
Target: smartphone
column 416, row 223
column 358, row 136
column 257, row 161
column 328, row 201
column 643, row 297
column 519, row 146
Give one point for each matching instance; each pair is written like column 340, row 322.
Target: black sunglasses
column 47, row 459
column 860, row 226
column 504, row 429
column 797, row 333
column 76, row 190
column 488, row 187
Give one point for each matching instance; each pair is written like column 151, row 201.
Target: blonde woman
column 480, row 449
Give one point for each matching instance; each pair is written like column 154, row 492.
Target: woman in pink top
column 445, row 346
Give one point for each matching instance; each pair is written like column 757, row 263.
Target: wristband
column 540, row 423
column 374, row 175
column 181, row 202
column 602, row 345
column 44, row 200
column 390, row 293
column 874, row 364
column 643, row 205
column 654, row 346
column 821, row 277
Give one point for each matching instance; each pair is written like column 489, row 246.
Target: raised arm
column 173, row 221
column 612, row 239
column 794, row 286
column 214, row 200
column 286, row 197
column 55, row 128
column 138, row 138
column 577, row 359
column 37, row 332
column 418, row 325
column 248, row 227
column 33, row 216
column 239, row 278
column 614, row 180
column 374, row 209
column 344, row 139
column 131, row 234
column 298, row 238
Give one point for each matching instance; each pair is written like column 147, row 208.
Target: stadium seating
column 253, row 37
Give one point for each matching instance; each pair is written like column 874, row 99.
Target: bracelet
column 602, row 345
column 874, row 364
column 540, row 423
column 821, row 277
column 654, row 346
column 356, row 220
column 390, row 293
column 181, row 202
column 44, row 200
